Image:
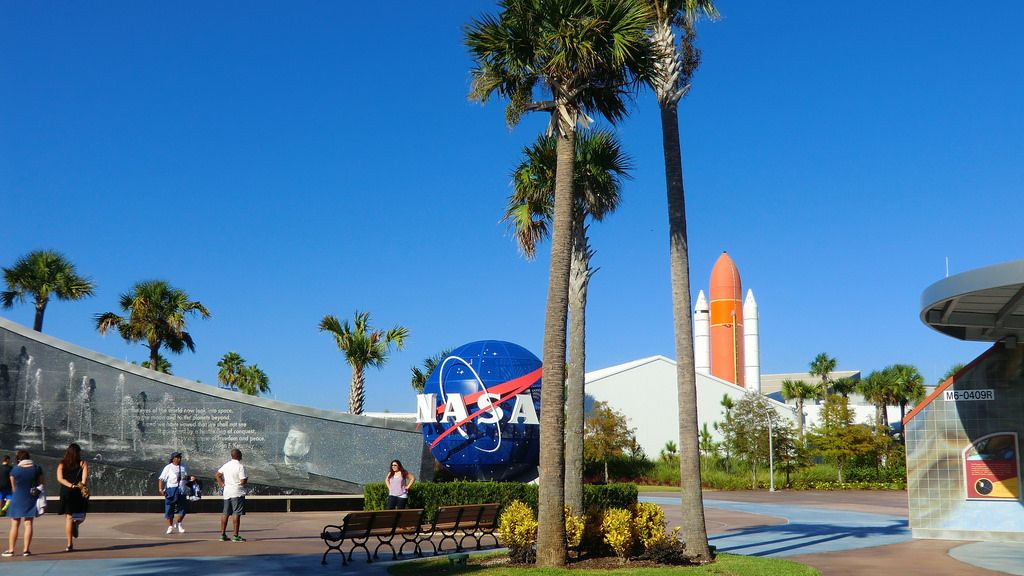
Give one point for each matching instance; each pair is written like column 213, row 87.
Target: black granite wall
column 129, row 419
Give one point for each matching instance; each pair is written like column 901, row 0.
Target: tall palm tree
column 822, row 366
column 600, row 166
column 363, row 346
column 156, row 315
column 675, row 64
column 230, row 370
column 419, row 377
column 583, row 55
column 41, row 274
column 800, row 391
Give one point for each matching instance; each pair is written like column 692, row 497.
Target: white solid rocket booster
column 701, row 336
column 752, row 354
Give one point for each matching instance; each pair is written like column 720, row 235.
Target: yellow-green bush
column 617, row 527
column 573, row 529
column 649, row 524
column 517, row 531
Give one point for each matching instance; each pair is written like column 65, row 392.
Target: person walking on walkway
column 24, row 478
column 72, row 475
column 172, row 488
column 398, row 480
column 231, row 477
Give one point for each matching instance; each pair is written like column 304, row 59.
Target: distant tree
column 230, row 370
column 42, row 274
column 788, row 449
column 747, row 426
column 708, row 446
column 907, row 386
column 254, row 381
column 800, row 391
column 669, row 453
column 844, row 386
column 156, row 316
column 363, row 346
column 162, row 364
column 606, row 435
column 822, row 366
column 876, row 390
column 419, row 377
column 725, row 428
column 836, row 438
column 951, row 372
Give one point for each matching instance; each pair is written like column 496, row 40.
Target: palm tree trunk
column 40, row 310
column 357, row 392
column 551, row 496
column 800, row 417
column 154, row 357
column 579, row 277
column 694, row 530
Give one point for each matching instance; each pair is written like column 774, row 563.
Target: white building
column 645, row 392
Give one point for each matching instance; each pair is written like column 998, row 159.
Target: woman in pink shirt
column 398, row 481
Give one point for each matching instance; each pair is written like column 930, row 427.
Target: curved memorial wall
column 129, row 419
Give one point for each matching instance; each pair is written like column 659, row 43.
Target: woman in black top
column 72, row 474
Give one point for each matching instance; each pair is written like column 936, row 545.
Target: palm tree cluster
column 234, row 374
column 572, row 59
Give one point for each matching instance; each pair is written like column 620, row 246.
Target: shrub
column 573, row 530
column 517, row 531
column 649, row 524
column 669, row 550
column 617, row 527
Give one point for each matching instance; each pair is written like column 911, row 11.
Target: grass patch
column 725, row 565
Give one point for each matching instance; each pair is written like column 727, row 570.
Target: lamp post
column 771, row 452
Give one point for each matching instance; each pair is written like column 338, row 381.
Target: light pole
column 771, row 452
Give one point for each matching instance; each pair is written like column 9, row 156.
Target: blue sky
column 282, row 161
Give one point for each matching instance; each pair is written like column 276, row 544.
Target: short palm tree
column 876, row 390
column 156, row 315
column 580, row 56
column 800, row 390
column 600, row 168
column 363, row 346
column 907, row 386
column 420, row 377
column 42, row 274
column 676, row 64
column 253, row 381
column 162, row 364
column 844, row 386
column 230, row 370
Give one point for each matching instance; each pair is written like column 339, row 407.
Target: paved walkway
column 839, row 533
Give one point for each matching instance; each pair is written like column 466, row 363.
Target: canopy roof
column 986, row 304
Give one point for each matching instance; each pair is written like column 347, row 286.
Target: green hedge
column 432, row 495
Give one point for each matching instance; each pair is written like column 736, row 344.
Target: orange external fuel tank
column 726, row 312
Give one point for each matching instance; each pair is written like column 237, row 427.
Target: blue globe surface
column 487, row 446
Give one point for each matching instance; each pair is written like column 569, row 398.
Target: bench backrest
column 467, row 516
column 379, row 521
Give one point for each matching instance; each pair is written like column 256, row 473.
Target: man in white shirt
column 231, row 477
column 172, row 487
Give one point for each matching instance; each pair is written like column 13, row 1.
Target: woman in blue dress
column 25, row 476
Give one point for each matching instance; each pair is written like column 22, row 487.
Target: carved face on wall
column 296, row 445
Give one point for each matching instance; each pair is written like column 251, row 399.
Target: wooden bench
column 385, row 525
column 472, row 521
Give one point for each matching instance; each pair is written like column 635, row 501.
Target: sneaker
column 7, row 553
column 224, row 538
column 169, row 529
column 181, row 529
column 237, row 538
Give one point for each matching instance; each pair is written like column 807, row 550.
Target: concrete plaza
column 840, row 533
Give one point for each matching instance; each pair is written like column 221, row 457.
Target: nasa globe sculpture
column 480, row 409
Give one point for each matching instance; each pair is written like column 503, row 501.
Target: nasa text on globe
column 479, row 411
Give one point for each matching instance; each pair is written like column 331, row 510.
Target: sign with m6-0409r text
column 965, row 395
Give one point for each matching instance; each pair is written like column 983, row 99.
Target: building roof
column 986, row 304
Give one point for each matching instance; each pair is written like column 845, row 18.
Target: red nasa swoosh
column 506, row 389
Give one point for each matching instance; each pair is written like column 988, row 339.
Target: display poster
column 991, row 470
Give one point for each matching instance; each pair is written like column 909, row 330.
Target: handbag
column 34, row 491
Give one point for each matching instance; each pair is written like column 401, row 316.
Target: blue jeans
column 174, row 502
